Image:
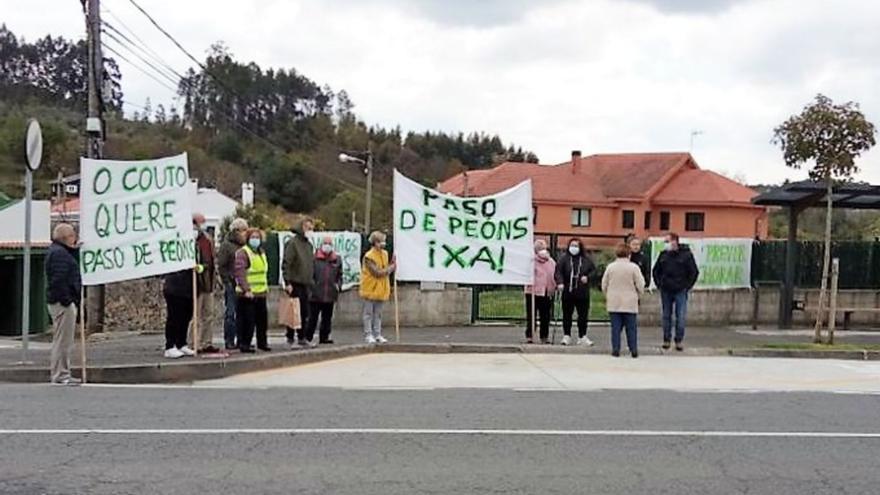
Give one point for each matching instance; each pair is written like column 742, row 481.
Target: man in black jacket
column 675, row 274
column 63, row 298
column 573, row 273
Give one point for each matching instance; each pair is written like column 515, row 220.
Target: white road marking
column 463, row 432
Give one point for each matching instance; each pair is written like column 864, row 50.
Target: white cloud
column 600, row 76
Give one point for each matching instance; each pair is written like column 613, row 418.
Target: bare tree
column 830, row 137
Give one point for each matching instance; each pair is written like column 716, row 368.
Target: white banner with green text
column 724, row 263
column 135, row 219
column 479, row 240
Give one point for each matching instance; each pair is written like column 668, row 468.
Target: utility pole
column 95, row 137
column 369, row 171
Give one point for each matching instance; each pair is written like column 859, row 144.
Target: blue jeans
column 230, row 329
column 630, row 322
column 678, row 302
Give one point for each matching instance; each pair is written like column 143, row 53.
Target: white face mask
column 544, row 254
column 326, row 248
column 574, row 250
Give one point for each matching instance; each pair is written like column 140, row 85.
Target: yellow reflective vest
column 257, row 272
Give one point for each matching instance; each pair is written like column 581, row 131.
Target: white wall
column 12, row 222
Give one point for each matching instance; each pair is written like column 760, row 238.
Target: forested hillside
column 238, row 121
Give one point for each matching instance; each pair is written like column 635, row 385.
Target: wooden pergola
column 797, row 197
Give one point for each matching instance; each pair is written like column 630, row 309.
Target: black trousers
column 179, row 313
column 324, row 311
column 572, row 302
column 300, row 292
column 545, row 307
column 251, row 314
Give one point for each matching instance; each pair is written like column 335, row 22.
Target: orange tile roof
column 605, row 178
column 69, row 206
column 704, row 186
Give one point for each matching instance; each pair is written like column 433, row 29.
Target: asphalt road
column 310, row 441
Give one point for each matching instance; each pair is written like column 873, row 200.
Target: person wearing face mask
column 375, row 287
column 252, row 287
column 675, row 274
column 206, row 274
column 573, row 273
column 297, row 269
column 543, row 290
column 638, row 257
column 226, row 267
column 325, row 290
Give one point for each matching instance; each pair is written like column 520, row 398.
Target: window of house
column 694, row 221
column 647, row 220
column 534, row 215
column 580, row 217
column 629, row 219
column 664, row 220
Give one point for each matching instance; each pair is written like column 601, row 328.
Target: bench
column 847, row 312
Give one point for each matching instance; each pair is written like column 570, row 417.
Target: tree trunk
column 826, row 264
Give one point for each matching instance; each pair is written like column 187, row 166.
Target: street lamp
column 367, row 163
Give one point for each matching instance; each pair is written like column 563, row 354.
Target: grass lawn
column 509, row 304
column 805, row 346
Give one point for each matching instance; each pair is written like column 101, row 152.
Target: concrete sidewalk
column 134, row 357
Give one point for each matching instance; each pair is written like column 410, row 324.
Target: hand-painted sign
column 347, row 246
column 135, row 219
column 481, row 240
column 724, row 263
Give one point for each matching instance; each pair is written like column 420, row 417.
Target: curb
column 197, row 370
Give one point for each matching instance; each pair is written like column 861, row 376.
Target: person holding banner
column 375, row 287
column 675, row 274
column 252, row 287
column 235, row 240
column 205, row 280
column 622, row 284
column 178, row 292
column 297, row 269
column 573, row 273
column 542, row 291
column 63, row 297
column 325, row 290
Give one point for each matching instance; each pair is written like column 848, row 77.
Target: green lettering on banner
column 454, row 255
column 428, row 223
column 484, row 255
column 455, row 223
column 505, row 231
column 168, row 206
column 154, row 210
column 142, row 254
column 520, row 225
column 449, row 204
column 492, row 229
column 432, row 251
column 104, row 173
column 102, row 221
column 177, row 250
column 489, row 208
column 407, row 219
column 470, row 229
column 469, row 207
column 92, row 260
column 427, row 196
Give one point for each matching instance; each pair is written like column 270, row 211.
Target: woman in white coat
column 622, row 284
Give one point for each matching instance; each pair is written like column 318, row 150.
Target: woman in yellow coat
column 375, row 287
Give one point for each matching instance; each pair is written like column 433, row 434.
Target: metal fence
column 859, row 263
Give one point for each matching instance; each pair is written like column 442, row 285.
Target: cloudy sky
column 551, row 75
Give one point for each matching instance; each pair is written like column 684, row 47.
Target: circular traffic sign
column 33, row 145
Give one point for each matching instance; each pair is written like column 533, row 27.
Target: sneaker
column 302, row 343
column 679, row 346
column 370, row 339
column 328, row 341
column 210, row 350
column 585, row 341
column 173, row 353
column 265, row 348
column 68, row 382
column 381, row 340
column 666, row 345
column 635, row 355
column 615, row 353
column 566, row 340
column 529, row 340
column 186, row 351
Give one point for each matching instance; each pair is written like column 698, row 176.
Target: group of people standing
column 624, row 281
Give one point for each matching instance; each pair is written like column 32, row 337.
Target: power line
column 136, row 66
column 134, row 35
column 129, row 43
column 149, row 64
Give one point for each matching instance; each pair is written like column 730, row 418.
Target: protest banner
column 480, row 240
column 724, row 263
column 347, row 246
column 135, row 219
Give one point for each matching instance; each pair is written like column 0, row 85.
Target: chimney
column 247, row 194
column 575, row 162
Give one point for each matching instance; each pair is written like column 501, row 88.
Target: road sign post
column 33, row 146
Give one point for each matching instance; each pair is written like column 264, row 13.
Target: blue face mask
column 254, row 243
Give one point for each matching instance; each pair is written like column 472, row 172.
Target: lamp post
column 367, row 163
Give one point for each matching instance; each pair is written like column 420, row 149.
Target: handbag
column 290, row 313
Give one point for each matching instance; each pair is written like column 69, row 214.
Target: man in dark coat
column 675, row 274
column 63, row 297
column 297, row 269
column 573, row 273
column 325, row 290
column 226, row 268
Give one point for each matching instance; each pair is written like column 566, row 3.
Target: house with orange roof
column 602, row 198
